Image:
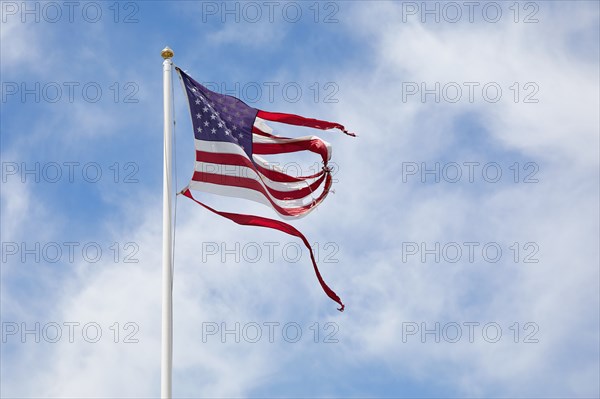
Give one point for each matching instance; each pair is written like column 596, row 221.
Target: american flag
column 230, row 138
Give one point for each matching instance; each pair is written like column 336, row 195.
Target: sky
column 462, row 235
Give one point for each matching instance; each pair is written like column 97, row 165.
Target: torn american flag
column 230, row 139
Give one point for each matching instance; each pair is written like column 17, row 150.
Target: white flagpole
column 167, row 270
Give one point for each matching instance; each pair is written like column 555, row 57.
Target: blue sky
column 422, row 320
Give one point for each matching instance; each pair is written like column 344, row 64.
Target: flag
column 230, row 139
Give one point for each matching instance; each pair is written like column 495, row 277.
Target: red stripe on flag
column 240, row 160
column 256, row 186
column 256, row 130
column 223, row 158
column 248, row 182
column 281, row 177
column 297, row 120
column 315, row 145
column 250, row 220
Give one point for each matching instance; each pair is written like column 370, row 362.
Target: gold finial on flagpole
column 167, row 53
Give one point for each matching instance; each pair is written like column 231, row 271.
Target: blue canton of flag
column 218, row 117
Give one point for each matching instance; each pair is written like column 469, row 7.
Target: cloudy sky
column 462, row 236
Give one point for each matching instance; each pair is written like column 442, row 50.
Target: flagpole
column 167, row 270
